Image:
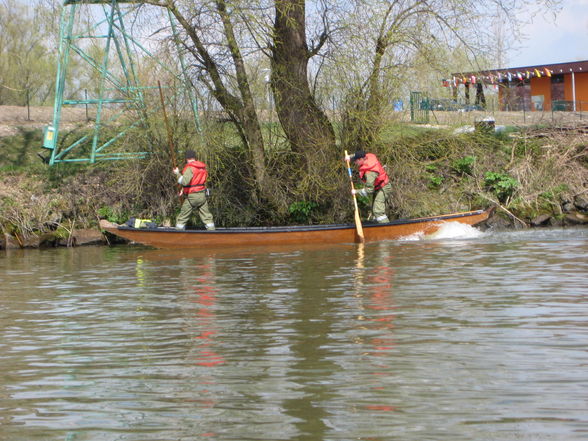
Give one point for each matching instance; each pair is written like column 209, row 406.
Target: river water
column 464, row 336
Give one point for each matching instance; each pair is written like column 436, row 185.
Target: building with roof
column 561, row 86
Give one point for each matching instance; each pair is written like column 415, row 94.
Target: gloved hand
column 360, row 192
column 176, row 171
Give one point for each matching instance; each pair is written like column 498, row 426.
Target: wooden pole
column 358, row 226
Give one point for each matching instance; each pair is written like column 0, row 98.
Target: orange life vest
column 199, row 175
column 371, row 164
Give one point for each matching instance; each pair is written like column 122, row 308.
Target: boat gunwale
column 301, row 228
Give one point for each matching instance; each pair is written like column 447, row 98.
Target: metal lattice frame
column 419, row 108
column 118, row 87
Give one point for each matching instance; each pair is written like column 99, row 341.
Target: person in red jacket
column 376, row 183
column 193, row 182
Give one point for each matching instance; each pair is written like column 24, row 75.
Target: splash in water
column 449, row 230
column 455, row 230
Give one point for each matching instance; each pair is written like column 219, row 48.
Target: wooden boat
column 166, row 237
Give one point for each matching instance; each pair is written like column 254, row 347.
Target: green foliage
column 465, row 165
column 561, row 188
column 110, row 215
column 503, row 186
column 553, row 194
column 435, row 181
column 20, row 151
column 62, row 232
column 300, row 212
column 117, row 190
column 27, row 53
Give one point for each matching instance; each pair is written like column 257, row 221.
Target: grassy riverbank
column 529, row 173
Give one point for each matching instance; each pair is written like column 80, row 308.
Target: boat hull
column 264, row 236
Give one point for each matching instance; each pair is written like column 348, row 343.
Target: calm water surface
column 468, row 337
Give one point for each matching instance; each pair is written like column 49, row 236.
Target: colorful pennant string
column 499, row 77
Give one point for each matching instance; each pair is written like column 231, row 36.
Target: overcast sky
column 554, row 41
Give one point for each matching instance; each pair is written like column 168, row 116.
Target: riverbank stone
column 576, row 218
column 581, row 203
column 87, row 236
column 498, row 222
column 541, row 220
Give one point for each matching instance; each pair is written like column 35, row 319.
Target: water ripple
column 480, row 337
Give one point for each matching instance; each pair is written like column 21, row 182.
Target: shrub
column 300, row 211
column 503, row 186
column 465, row 165
column 111, row 216
column 435, row 181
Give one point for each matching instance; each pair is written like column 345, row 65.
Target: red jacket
column 199, row 175
column 371, row 164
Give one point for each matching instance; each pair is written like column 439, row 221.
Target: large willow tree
column 304, row 122
column 354, row 53
column 226, row 39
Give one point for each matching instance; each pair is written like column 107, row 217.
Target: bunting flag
column 495, row 77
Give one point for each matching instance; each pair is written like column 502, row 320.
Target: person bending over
column 376, row 183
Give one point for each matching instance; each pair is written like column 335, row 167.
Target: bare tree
column 387, row 36
column 218, row 59
column 26, row 64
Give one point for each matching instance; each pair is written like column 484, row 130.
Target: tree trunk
column 375, row 95
column 306, row 126
column 248, row 120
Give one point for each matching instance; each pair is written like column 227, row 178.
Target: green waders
column 193, row 202
column 379, row 205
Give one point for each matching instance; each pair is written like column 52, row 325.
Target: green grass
column 21, row 151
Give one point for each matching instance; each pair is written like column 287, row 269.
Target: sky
column 550, row 41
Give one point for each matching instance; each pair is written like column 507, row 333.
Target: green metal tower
column 119, row 99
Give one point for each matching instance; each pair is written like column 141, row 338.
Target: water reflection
column 202, row 323
column 478, row 338
column 199, row 284
column 312, row 368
